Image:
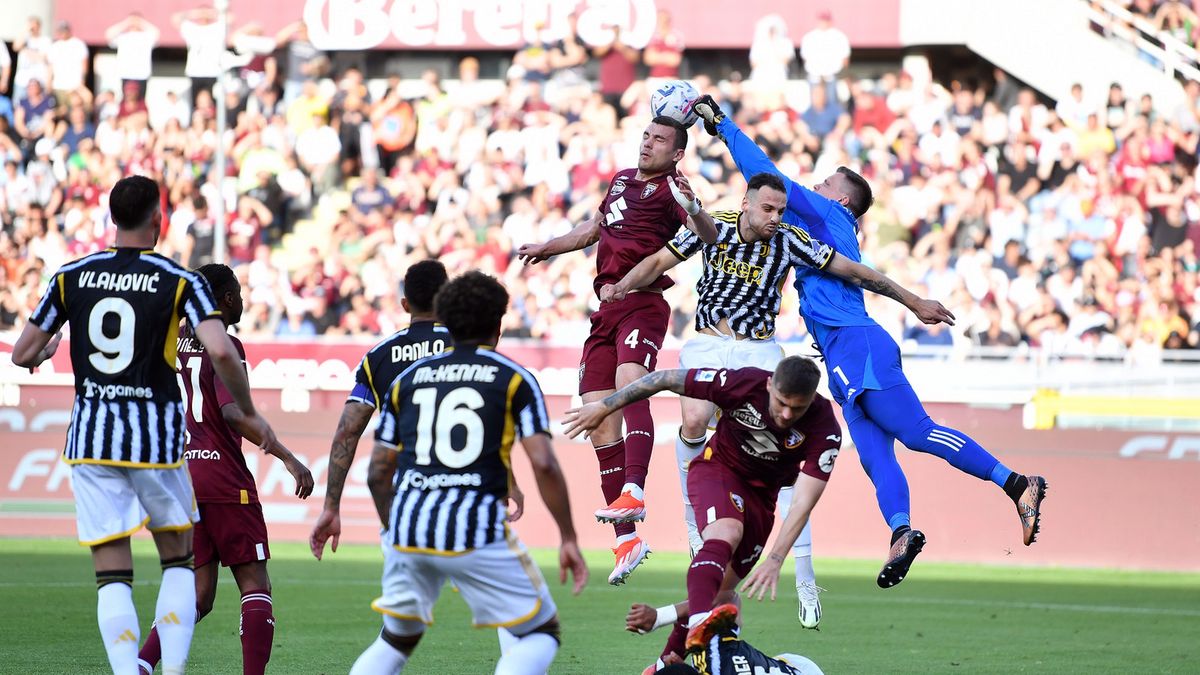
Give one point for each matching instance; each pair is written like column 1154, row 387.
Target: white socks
column 118, row 626
column 528, row 655
column 379, row 659
column 685, row 452
column 175, row 616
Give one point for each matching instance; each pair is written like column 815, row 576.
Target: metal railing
column 1176, row 58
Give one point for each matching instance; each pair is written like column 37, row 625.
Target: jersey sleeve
column 51, row 312
column 529, row 408
column 824, row 444
column 804, row 250
column 196, row 302
column 364, row 387
column 685, row 244
column 712, row 384
column 388, row 431
column 750, row 160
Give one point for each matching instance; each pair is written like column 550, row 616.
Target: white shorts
column 711, row 351
column 499, row 582
column 112, row 502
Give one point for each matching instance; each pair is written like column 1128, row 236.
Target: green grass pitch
column 942, row 619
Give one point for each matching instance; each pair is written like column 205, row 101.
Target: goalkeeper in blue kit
column 863, row 361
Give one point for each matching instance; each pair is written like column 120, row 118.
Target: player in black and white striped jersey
column 456, row 416
column 740, row 297
column 125, row 440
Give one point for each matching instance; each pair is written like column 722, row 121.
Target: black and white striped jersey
column 386, row 360
column 743, row 282
column 124, row 306
column 456, row 416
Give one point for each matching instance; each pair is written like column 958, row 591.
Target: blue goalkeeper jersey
column 824, row 298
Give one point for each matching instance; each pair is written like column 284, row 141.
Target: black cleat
column 708, row 109
column 1029, row 508
column 900, row 558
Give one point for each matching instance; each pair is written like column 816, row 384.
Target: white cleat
column 629, row 555
column 810, row 603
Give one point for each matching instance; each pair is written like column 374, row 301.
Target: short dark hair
column 471, row 306
column 860, row 195
column 220, row 278
column 769, row 180
column 681, row 132
column 133, row 201
column 796, row 376
column 422, row 281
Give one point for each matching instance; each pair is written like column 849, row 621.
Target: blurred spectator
column 532, row 61
column 825, row 51
column 257, row 50
column 771, row 55
column 204, row 33
column 664, row 53
column 33, row 58
column 69, row 64
column 134, row 39
column 5, row 74
column 303, row 61
column 618, row 68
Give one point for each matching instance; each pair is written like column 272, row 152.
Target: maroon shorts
column 629, row 331
column 232, row 534
column 717, row 492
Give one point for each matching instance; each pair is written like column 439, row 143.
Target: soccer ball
column 674, row 99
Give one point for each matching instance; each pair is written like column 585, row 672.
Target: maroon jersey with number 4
column 637, row 219
column 749, row 443
column 214, row 450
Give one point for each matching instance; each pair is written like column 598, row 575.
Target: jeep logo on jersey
column 618, row 187
column 827, row 459
column 794, row 439
column 737, row 502
column 649, row 190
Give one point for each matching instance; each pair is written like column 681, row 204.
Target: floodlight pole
column 218, row 207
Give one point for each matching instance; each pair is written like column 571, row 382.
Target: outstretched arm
column 642, row 275
column 585, row 234
column 765, row 575
column 585, row 419
column 929, row 311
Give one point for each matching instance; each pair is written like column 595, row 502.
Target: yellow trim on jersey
column 171, row 528
column 171, row 345
column 366, row 364
column 708, row 453
column 243, row 497
column 62, row 290
column 510, row 431
column 431, row 551
column 797, row 231
column 730, row 217
column 828, row 260
column 407, row 617
column 114, row 537
column 124, row 464
column 537, row 607
column 675, row 251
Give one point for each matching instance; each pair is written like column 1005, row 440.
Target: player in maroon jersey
column 772, row 428
column 231, row 530
column 642, row 211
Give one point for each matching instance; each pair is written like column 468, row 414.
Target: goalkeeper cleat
column 810, row 603
column 708, row 109
column 630, row 554
column 722, row 619
column 1029, row 508
column 624, row 509
column 900, row 558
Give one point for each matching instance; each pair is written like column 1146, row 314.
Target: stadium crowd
column 1071, row 227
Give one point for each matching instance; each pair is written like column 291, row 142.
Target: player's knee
column 694, row 430
column 402, row 634
column 551, row 627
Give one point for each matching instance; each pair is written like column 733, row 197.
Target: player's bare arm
column 516, row 496
column 34, row 347
column 699, row 220
column 350, row 428
column 553, row 488
column 928, row 311
column 236, row 420
column 765, row 575
column 227, row 363
column 642, row 275
column 585, row 419
column 583, row 235
column 380, row 472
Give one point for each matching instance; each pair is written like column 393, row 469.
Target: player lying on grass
column 725, row 652
column 773, row 427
